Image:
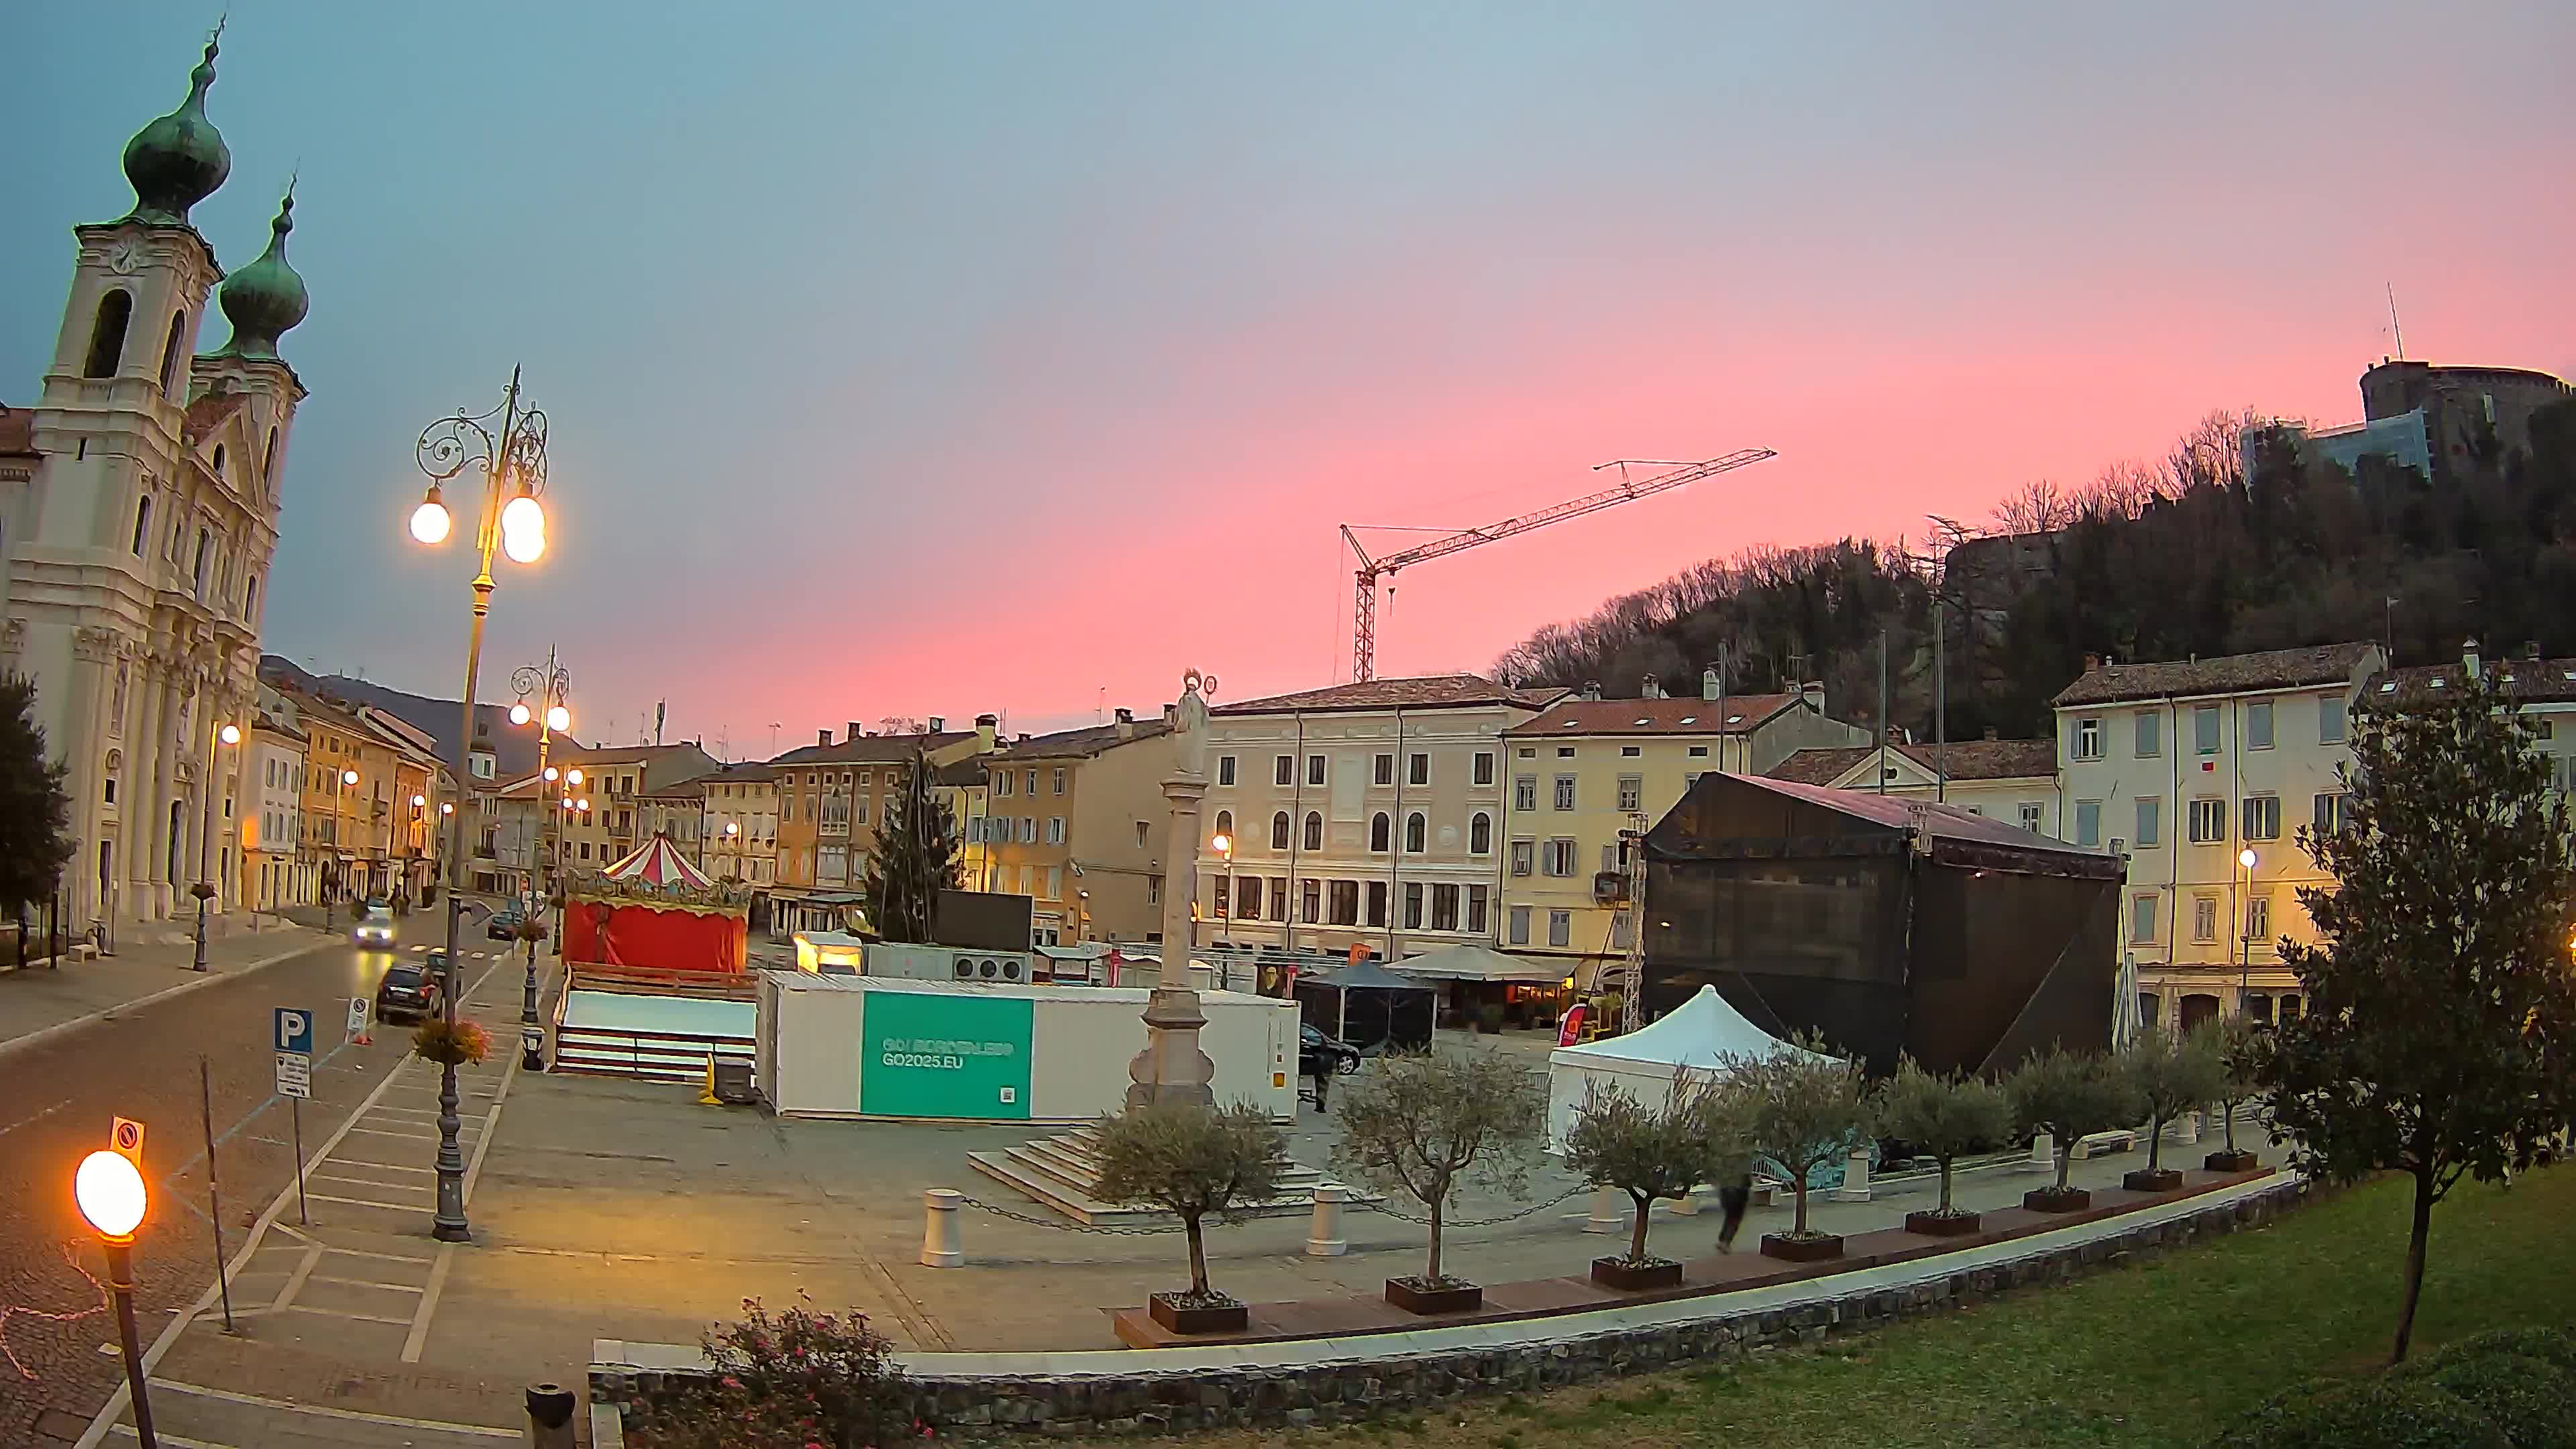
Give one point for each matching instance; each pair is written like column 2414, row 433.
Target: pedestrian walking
column 1734, row 1197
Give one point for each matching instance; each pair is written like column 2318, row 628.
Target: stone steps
column 1063, row 1172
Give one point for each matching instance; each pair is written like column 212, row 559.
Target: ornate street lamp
column 552, row 686
column 111, row 1197
column 514, row 474
column 204, row 889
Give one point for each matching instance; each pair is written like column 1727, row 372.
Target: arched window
column 142, row 523
column 107, row 334
column 1225, row 824
column 170, row 352
column 1279, row 831
column 205, row 549
column 1314, row 830
column 250, row 604
column 219, row 462
column 1414, row 828
column 268, row 460
column 1480, row 834
column 1379, row 829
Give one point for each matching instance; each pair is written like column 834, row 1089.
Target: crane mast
column 1627, row 490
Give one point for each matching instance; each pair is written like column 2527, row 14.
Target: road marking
column 406, row 1136
column 295, row 1280
column 400, row 1207
column 387, row 1166
column 384, row 1257
column 367, row 1283
column 39, row 1117
column 173, row 1440
column 337, row 1313
column 327, row 1412
column 428, row 1305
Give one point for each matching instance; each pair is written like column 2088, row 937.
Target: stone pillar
column 1172, row 1068
column 1324, row 1234
column 941, row 1246
column 1855, row 1186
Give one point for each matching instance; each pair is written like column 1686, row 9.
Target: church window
column 250, row 598
column 142, row 523
column 107, row 335
column 205, row 550
column 268, row 459
column 170, row 352
column 219, row 462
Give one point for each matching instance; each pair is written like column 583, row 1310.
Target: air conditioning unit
column 949, row 963
column 989, row 966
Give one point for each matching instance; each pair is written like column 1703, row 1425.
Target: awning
column 1471, row 962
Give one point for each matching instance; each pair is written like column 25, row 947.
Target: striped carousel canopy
column 655, row 863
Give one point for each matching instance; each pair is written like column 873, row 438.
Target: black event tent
column 1888, row 924
column 1368, row 1006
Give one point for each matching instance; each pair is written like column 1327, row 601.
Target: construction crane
column 1370, row 571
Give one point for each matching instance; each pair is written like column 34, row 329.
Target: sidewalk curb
column 42, row 1035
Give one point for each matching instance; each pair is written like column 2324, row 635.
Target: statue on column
column 1172, row 1068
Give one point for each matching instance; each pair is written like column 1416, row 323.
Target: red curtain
column 647, row 938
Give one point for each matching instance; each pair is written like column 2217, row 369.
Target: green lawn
column 2156, row 1354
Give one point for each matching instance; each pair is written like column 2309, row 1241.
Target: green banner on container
column 934, row 1054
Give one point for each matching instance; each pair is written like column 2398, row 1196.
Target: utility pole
column 1882, row 711
column 1940, row 704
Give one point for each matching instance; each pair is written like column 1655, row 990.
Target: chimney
column 822, row 737
column 1651, row 688
column 1592, row 689
column 1992, row 734
column 855, row 731
column 2469, row 658
column 986, row 727
column 1024, row 737
column 1709, row 687
column 1126, row 724
column 2092, row 662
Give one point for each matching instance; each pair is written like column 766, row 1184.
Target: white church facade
column 140, row 501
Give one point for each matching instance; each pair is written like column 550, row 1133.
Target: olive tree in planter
column 1649, row 1153
column 1426, row 1125
column 1192, row 1161
column 1944, row 1118
column 2070, row 1097
column 2170, row 1077
column 1803, row 1107
column 2240, row 1050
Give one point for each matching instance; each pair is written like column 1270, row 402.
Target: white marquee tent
column 1696, row 1036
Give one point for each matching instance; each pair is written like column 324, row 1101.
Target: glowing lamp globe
column 348, row 777
column 519, row 714
column 229, row 734
column 523, row 529
column 110, row 1194
column 553, row 774
column 573, row 776
column 559, row 719
column 1223, row 843
column 418, row 801
column 429, row 522
column 447, row 807
column 2245, row 857
column 523, row 546
column 584, row 807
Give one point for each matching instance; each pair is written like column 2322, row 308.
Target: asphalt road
column 55, row 1104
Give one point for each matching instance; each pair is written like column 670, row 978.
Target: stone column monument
column 1171, row 1068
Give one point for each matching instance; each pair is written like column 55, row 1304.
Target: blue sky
column 936, row 359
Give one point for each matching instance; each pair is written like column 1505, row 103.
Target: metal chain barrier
column 1111, row 1230
column 1448, row 1223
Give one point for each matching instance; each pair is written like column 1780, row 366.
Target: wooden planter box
column 1630, row 1277
column 1198, row 1318
column 1453, row 1298
column 2237, row 1161
column 2051, row 1200
column 2161, row 1179
column 1941, row 1225
column 1816, row 1249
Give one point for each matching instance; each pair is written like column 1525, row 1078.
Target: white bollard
column 1324, row 1234
column 940, row 1247
column 2184, row 1128
column 1687, row 1205
column 1610, row 1209
column 2043, row 1154
column 1855, row 1186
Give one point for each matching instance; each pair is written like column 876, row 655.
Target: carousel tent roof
column 656, row 863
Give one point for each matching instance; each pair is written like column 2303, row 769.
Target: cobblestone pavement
column 142, row 1061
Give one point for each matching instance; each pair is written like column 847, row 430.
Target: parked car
column 504, row 925
column 373, row 929
column 1317, row 1052
column 410, row 989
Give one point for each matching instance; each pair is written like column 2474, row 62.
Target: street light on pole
column 204, row 889
column 2244, row 933
column 110, row 1194
column 551, row 685
column 514, row 472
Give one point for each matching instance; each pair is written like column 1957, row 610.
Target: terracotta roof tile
column 1079, row 744
column 1968, row 760
column 2535, row 681
column 1739, row 714
column 1436, row 691
column 2226, row 674
column 871, row 749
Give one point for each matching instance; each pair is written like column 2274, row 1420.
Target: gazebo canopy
column 657, row 864
column 1471, row 962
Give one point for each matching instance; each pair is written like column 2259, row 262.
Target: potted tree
column 2069, row 1097
column 1192, row 1161
column 1944, row 1118
column 1803, row 1107
column 1649, row 1153
column 1426, row 1125
column 2170, row 1077
column 2240, row 1050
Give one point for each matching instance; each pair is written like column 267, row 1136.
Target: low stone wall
column 982, row 1406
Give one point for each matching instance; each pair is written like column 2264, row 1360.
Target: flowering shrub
column 794, row 1380
column 450, row 1046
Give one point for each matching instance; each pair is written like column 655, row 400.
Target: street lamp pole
column 551, row 685
column 109, row 1192
column 2244, row 935
column 516, row 457
column 204, row 890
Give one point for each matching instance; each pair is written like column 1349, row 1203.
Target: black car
column 1316, row 1052
column 408, row 990
column 504, row 925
